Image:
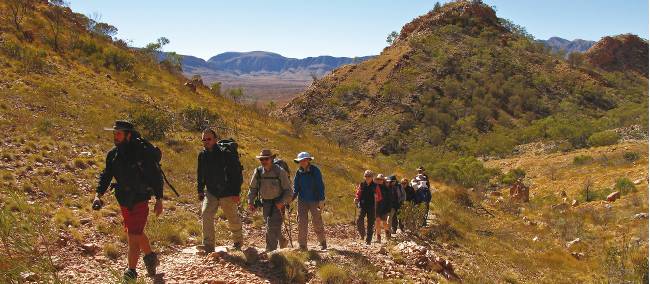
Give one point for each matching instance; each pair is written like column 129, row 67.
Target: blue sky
column 299, row 29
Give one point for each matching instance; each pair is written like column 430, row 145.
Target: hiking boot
column 323, row 245
column 130, row 275
column 206, row 248
column 151, row 261
column 237, row 245
column 368, row 241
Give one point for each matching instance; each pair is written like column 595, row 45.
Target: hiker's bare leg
column 134, row 250
column 144, row 244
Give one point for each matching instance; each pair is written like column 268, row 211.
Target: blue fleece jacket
column 309, row 185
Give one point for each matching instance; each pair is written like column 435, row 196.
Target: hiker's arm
column 200, row 179
column 320, row 185
column 252, row 188
column 286, row 188
column 296, row 186
column 105, row 176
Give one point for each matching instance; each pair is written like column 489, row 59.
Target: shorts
column 135, row 218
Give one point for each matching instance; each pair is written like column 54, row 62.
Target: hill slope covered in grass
column 55, row 101
column 460, row 81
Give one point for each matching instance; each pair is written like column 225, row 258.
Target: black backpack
column 234, row 170
column 154, row 155
column 283, row 165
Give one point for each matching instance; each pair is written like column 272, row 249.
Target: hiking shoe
column 237, row 245
column 206, row 248
column 130, row 275
column 323, row 245
column 368, row 241
column 151, row 261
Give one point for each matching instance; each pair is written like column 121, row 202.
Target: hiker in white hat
column 309, row 188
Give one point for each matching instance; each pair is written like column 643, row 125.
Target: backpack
column 283, row 165
column 423, row 194
column 234, row 171
column 153, row 154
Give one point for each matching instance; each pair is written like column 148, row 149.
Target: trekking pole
column 167, row 181
column 288, row 227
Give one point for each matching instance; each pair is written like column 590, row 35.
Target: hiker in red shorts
column 130, row 162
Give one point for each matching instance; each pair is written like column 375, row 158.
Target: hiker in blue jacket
column 309, row 188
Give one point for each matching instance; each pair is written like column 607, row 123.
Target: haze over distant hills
column 577, row 45
column 264, row 75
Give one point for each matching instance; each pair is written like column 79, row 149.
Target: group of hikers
column 134, row 163
column 380, row 199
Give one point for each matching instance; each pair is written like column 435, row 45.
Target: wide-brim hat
column 303, row 155
column 368, row 173
column 265, row 153
column 391, row 178
column 122, row 125
column 420, row 169
column 380, row 177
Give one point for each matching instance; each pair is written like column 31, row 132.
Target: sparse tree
column 16, row 11
column 173, row 61
column 313, row 76
column 437, row 7
column 236, row 94
column 215, row 88
column 575, row 59
column 271, row 106
column 392, row 37
column 55, row 17
column 104, row 29
column 157, row 46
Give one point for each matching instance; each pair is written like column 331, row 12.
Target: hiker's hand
column 321, row 204
column 97, row 203
column 158, row 208
column 201, row 195
column 251, row 207
column 236, row 199
column 279, row 206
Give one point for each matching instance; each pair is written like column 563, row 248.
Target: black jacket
column 220, row 172
column 366, row 195
column 137, row 175
column 410, row 193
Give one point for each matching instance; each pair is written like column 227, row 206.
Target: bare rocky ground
column 400, row 259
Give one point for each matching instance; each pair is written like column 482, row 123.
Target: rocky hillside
column 620, row 53
column 459, row 78
column 558, row 44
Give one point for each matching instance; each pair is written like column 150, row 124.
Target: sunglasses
column 264, row 159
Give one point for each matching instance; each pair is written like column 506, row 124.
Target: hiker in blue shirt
column 308, row 186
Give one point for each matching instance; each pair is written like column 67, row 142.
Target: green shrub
column 332, row 274
column 112, row 251
column 290, row 265
column 412, row 216
column 467, row 171
column 582, row 160
column 603, row 138
column 513, row 175
column 198, row 118
column 631, row 156
column 153, row 124
column 119, row 59
column 624, row 185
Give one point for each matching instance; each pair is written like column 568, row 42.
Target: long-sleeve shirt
column 270, row 184
column 308, row 185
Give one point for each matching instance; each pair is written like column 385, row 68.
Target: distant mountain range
column 569, row 46
column 260, row 62
column 264, row 75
